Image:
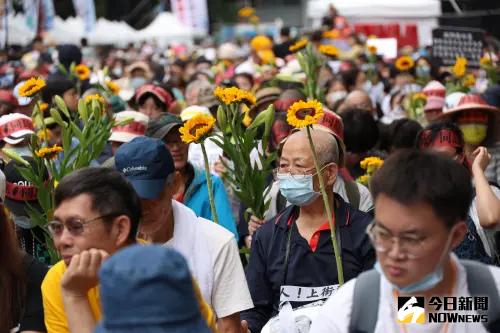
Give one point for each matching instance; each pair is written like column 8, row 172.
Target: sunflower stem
column 331, row 222
column 209, row 183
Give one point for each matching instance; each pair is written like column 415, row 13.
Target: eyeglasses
column 411, row 246
column 296, row 174
column 74, row 226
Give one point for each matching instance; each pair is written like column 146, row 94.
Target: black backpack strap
column 352, row 190
column 365, row 301
column 480, row 282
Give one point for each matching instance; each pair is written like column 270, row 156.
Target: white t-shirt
column 487, row 235
column 335, row 314
column 213, row 258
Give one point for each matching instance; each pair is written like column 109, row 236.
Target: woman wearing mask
column 21, row 276
column 475, row 118
column 479, row 245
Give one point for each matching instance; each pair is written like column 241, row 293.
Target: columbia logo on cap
column 134, row 168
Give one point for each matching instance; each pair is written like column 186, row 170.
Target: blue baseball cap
column 146, row 163
column 148, row 288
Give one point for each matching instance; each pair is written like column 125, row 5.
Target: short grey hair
column 327, row 148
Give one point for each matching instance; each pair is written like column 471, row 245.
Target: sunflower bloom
column 460, row 67
column 363, row 179
column 372, row 49
column 299, row 45
column 419, row 97
column 49, row 152
column 485, row 61
column 31, row 87
column 82, row 72
column 331, row 34
column 246, row 12
column 302, row 113
column 97, row 97
column 261, row 42
column 254, row 19
column 404, row 63
column 113, row 86
column 469, row 80
column 196, row 128
column 44, row 135
column 371, row 164
column 329, row 50
column 234, row 95
column 43, row 107
column 267, row 57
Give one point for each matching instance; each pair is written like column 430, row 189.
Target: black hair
column 435, row 128
column 110, row 193
column 361, row 132
column 413, row 177
column 404, row 132
column 156, row 100
column 285, row 31
column 247, row 76
column 349, row 77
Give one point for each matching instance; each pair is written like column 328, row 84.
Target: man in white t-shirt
column 421, row 203
column 210, row 250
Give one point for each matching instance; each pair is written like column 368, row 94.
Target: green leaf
column 82, row 110
column 61, row 105
column 57, row 117
column 12, row 154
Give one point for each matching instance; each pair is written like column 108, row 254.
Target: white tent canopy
column 424, row 13
column 165, row 28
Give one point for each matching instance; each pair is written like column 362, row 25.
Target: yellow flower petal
column 31, row 87
column 302, row 113
column 404, row 63
column 329, row 50
column 82, row 72
column 460, row 67
column 234, row 95
column 49, row 152
column 196, row 128
column 299, row 45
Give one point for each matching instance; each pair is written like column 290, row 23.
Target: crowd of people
column 133, row 230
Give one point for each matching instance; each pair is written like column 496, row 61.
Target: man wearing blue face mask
column 292, row 258
column 421, row 204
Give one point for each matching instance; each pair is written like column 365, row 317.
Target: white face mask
column 335, row 96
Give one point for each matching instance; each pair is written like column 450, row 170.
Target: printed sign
column 306, row 294
column 449, row 43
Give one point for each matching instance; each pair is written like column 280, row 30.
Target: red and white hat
column 434, row 88
column 470, row 102
column 132, row 130
column 15, row 127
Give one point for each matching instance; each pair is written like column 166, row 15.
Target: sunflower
column 267, row 57
column 261, row 42
column 469, row 80
column 31, row 87
column 302, row 113
column 298, row 45
column 371, row 164
column 329, row 50
column 49, row 152
column 43, row 107
column 45, row 134
column 485, row 61
column 418, row 97
column 113, row 86
column 196, row 128
column 97, row 97
column 247, row 120
column 460, row 67
column 363, row 179
column 234, row 95
column 246, row 12
column 372, row 49
column 82, row 71
column 404, row 63
column 254, row 19
column 331, row 34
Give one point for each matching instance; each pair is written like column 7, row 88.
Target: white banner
column 193, row 13
column 306, row 294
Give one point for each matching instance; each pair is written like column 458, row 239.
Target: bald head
column 358, row 99
column 327, row 150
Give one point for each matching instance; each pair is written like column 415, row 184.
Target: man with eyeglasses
column 97, row 213
column 421, row 203
column 292, row 258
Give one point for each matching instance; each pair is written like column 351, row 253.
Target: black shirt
column 311, row 270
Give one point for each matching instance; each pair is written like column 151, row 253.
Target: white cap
column 451, row 101
column 22, row 101
column 14, row 127
column 193, row 110
column 132, row 130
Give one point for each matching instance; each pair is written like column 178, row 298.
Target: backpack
column 472, row 247
column 365, row 301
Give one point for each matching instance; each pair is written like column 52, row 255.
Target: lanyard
column 445, row 327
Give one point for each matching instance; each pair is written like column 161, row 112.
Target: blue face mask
column 298, row 190
column 137, row 82
column 23, row 222
column 427, row 282
column 423, row 71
